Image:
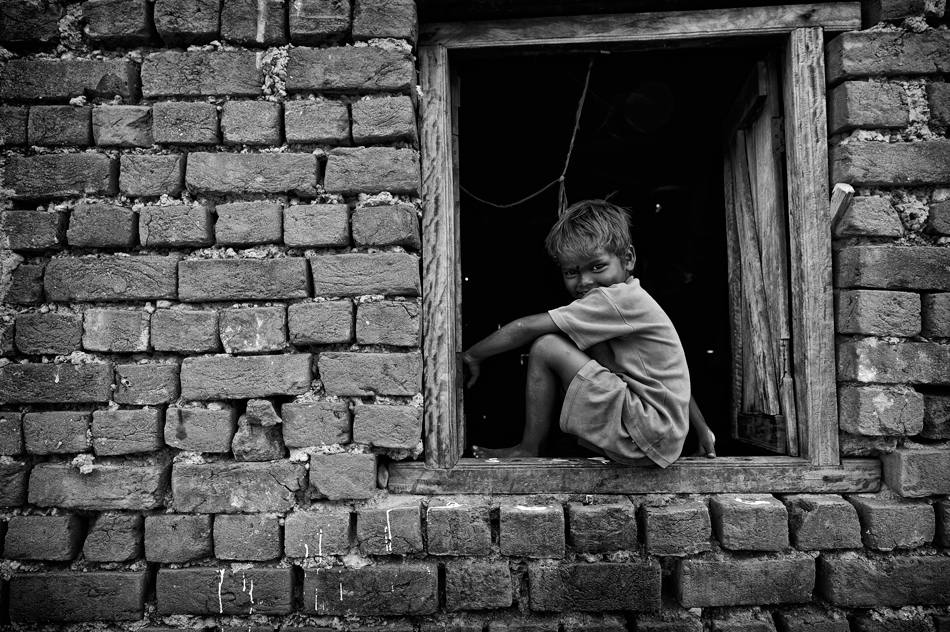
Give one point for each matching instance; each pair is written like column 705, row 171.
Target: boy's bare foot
column 501, row 453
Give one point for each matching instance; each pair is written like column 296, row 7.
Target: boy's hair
column 588, row 225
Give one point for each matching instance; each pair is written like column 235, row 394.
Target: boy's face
column 584, row 272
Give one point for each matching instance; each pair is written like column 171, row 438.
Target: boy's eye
column 569, row 273
column 597, row 267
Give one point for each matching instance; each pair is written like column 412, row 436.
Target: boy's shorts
column 593, row 412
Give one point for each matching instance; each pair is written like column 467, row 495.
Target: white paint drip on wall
column 261, row 21
column 389, row 533
column 220, row 584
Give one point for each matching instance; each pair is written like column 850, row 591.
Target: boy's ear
column 630, row 259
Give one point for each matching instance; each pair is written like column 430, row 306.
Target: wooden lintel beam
column 643, row 27
column 775, row 475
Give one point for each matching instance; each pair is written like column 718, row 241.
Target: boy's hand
column 474, row 368
column 707, row 444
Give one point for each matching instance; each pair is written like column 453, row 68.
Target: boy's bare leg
column 552, row 364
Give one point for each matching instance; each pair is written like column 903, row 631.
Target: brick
column 392, row 526
column 679, row 528
column 684, row 621
column 50, row 333
column 184, row 22
column 888, row 53
column 57, row 125
column 200, row 429
column 222, row 173
column 248, row 223
column 935, row 314
column 395, row 225
column 50, row 538
column 864, row 582
column 880, row 10
column 11, row 433
column 595, row 587
column 325, row 322
column 532, row 531
column 851, row 445
column 889, row 164
column 457, row 528
column 919, row 268
column 117, row 22
column 26, row 285
column 13, row 124
column 185, row 331
column 253, row 538
column 13, row 483
column 342, row 476
column 61, row 175
column 176, row 226
column 938, row 94
column 742, row 621
column 253, row 329
column 122, row 125
column 602, row 528
column 115, row 330
column 818, row 522
column 880, row 410
column 877, row 312
column 396, row 323
column 78, row 596
column 811, row 619
column 102, row 226
column 749, row 522
column 356, row 70
column 149, row 384
column 185, row 123
column 201, row 74
column 352, row 170
column 138, row 278
column 385, row 18
column 936, row 417
column 57, row 432
column 702, row 583
column 383, row 120
column 477, row 585
column 213, row 591
column 889, row 523
column 255, row 441
column 242, row 279
column 32, row 230
column 321, row 531
column 114, row 537
column 30, row 21
column 317, row 225
column 362, row 374
column 319, row 21
column 320, row 121
column 389, row 274
column 870, row 360
column 227, row 487
column 916, row 470
column 942, row 510
column 382, row 590
column 317, row 423
column 867, row 105
column 938, row 221
column 119, row 487
column 871, row 216
column 892, row 621
column 397, row 427
column 244, row 377
column 251, row 123
column 152, row 176
column 173, row 538
column 59, row 80
column 55, row 383
column 117, row 432
column 251, row 22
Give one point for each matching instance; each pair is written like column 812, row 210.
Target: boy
column 613, row 351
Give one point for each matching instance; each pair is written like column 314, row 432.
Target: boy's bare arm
column 515, row 334
column 707, row 440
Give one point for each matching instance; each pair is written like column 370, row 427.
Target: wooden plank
column 734, row 277
column 655, row 27
column 841, row 197
column 444, row 439
column 750, row 101
column 691, row 475
column 810, row 246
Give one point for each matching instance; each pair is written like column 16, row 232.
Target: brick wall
column 210, row 325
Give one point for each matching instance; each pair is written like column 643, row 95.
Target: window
column 797, row 34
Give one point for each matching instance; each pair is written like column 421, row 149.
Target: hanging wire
column 562, row 192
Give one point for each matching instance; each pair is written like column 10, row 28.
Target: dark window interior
column 650, row 138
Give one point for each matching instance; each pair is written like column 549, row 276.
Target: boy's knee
column 548, row 343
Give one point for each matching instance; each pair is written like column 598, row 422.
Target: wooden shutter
column 763, row 389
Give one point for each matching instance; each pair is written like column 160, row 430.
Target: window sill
column 776, row 475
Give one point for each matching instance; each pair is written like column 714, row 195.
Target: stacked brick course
column 210, row 329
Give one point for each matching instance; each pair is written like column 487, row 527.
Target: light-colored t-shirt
column 649, row 358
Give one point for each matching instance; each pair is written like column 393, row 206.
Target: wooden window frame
column 819, row 468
